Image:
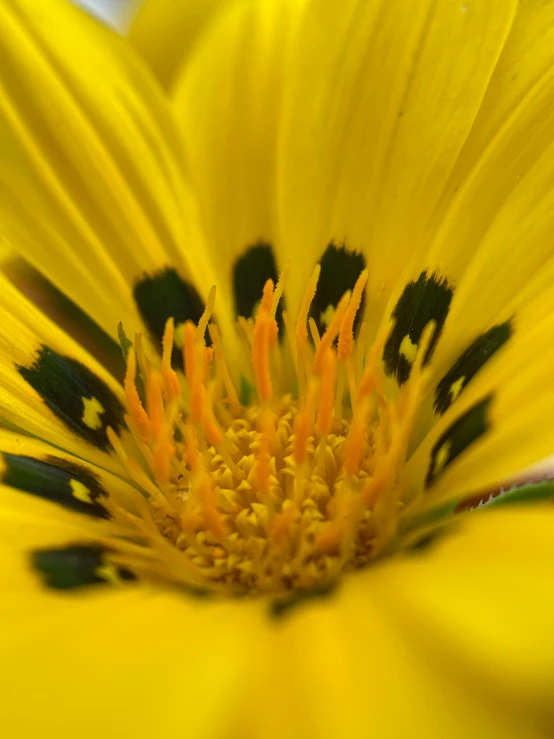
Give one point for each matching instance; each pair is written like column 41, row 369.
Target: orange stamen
column 134, row 404
column 172, row 389
column 261, row 343
column 332, row 331
column 309, row 295
column 263, row 457
column 354, row 444
column 324, row 419
column 346, row 335
column 154, row 402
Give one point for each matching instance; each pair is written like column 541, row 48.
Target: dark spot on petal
column 427, row 299
column 57, row 480
column 456, row 439
column 65, row 313
column 339, row 271
column 469, row 363
column 284, row 606
column 77, row 566
column 78, row 397
column 250, row 273
column 164, row 295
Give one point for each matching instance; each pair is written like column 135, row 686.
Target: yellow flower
column 262, row 524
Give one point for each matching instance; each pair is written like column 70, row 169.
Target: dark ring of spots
column 285, row 606
column 339, row 271
column 250, row 273
column 427, row 299
column 63, row 383
column 52, row 480
column 76, row 566
column 456, row 439
column 469, row 363
column 164, row 295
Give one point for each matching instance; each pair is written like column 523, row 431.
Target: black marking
column 75, row 566
column 51, row 479
column 457, row 438
column 164, row 295
column 427, row 299
column 63, row 382
column 283, row 607
column 250, row 273
column 469, row 363
column 339, row 271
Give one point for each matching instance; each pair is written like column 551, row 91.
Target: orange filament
column 134, row 403
column 309, row 295
column 327, row 392
column 346, row 335
column 354, row 444
column 332, row 331
column 262, row 341
column 170, row 380
column 280, row 493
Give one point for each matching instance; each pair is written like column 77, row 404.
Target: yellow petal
column 228, row 100
column 94, row 188
column 492, row 230
column 166, row 32
column 141, row 662
column 455, row 642
column 381, row 99
column 50, row 387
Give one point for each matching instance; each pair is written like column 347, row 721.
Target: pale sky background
column 117, row 12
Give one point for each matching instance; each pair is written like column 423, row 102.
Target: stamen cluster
column 285, row 492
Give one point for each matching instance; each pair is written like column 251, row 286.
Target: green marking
column 284, row 606
column 246, row 391
column 532, row 493
column 54, row 479
column 75, row 566
column 63, row 383
column 126, row 345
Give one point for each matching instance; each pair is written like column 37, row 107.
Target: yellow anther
column 162, row 455
column 324, row 419
column 204, row 492
column 206, row 315
column 281, row 283
column 329, row 539
column 354, row 444
column 316, row 338
column 212, row 432
column 302, row 427
column 280, row 526
column 309, row 295
column 208, row 356
column 194, row 370
column 154, row 402
column 221, row 368
column 267, row 431
column 331, row 334
column 191, row 449
column 172, row 389
column 284, row 490
column 346, row 335
column 134, row 403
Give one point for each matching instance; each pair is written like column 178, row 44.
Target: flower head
column 312, row 274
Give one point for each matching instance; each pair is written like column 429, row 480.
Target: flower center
column 282, row 493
